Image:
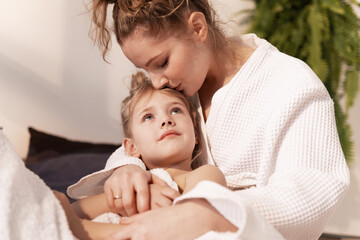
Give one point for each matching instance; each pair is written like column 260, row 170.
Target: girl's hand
column 131, row 184
column 188, row 220
column 161, row 194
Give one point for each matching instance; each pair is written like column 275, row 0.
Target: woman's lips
column 168, row 133
column 178, row 88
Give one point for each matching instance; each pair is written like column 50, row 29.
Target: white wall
column 347, row 217
column 54, row 79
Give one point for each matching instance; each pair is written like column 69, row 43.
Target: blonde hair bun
column 137, row 80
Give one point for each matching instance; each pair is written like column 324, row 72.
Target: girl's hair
column 141, row 87
column 157, row 17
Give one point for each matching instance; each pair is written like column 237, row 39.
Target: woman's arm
column 187, row 221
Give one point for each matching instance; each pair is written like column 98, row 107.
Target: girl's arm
column 205, row 172
column 88, row 208
column 84, row 229
column 127, row 176
column 91, row 207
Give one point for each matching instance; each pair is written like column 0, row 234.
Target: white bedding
column 28, row 208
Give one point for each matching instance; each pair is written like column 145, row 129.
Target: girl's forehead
column 157, row 98
column 162, row 96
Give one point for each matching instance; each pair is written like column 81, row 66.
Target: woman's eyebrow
column 152, row 59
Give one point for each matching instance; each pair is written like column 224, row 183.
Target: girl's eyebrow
column 176, row 103
column 147, row 109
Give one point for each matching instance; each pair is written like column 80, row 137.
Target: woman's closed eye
column 164, row 63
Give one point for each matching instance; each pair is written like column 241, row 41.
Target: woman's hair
column 141, row 87
column 156, row 17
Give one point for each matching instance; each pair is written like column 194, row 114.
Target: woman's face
column 178, row 63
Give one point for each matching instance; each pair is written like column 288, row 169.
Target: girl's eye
column 176, row 111
column 148, row 117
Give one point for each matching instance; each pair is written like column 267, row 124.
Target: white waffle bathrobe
column 272, row 132
column 28, row 208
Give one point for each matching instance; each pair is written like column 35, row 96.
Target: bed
column 61, row 162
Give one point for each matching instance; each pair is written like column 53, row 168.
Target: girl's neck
column 179, row 171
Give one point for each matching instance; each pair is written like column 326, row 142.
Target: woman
column 269, row 122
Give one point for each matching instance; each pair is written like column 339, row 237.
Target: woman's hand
column 131, row 184
column 188, row 220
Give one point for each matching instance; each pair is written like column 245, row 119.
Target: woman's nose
column 159, row 82
column 169, row 122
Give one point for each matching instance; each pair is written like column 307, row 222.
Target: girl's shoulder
column 207, row 172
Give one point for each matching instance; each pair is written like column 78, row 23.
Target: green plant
column 324, row 34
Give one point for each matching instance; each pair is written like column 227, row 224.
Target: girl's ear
column 130, row 148
column 198, row 25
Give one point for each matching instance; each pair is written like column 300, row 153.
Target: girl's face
column 162, row 131
column 179, row 63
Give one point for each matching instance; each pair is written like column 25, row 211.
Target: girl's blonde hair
column 157, row 17
column 141, row 87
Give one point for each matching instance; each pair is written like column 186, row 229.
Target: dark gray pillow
column 62, row 171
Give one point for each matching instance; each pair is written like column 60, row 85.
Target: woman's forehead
column 139, row 50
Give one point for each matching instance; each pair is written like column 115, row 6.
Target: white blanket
column 28, row 208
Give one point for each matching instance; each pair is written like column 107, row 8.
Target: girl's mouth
column 169, row 133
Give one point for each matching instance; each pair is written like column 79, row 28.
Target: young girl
column 160, row 129
column 269, row 123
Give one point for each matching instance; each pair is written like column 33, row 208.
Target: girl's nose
column 163, row 124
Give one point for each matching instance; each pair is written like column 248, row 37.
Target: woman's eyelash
column 164, row 63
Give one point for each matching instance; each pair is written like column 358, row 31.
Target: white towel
column 28, row 208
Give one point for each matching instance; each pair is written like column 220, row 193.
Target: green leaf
column 323, row 33
column 344, row 132
column 333, row 6
column 352, row 78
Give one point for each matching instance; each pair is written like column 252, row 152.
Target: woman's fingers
column 127, row 220
column 127, row 190
column 109, row 187
column 181, row 222
column 128, row 199
column 142, row 196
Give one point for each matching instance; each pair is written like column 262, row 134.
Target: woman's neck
column 222, row 70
